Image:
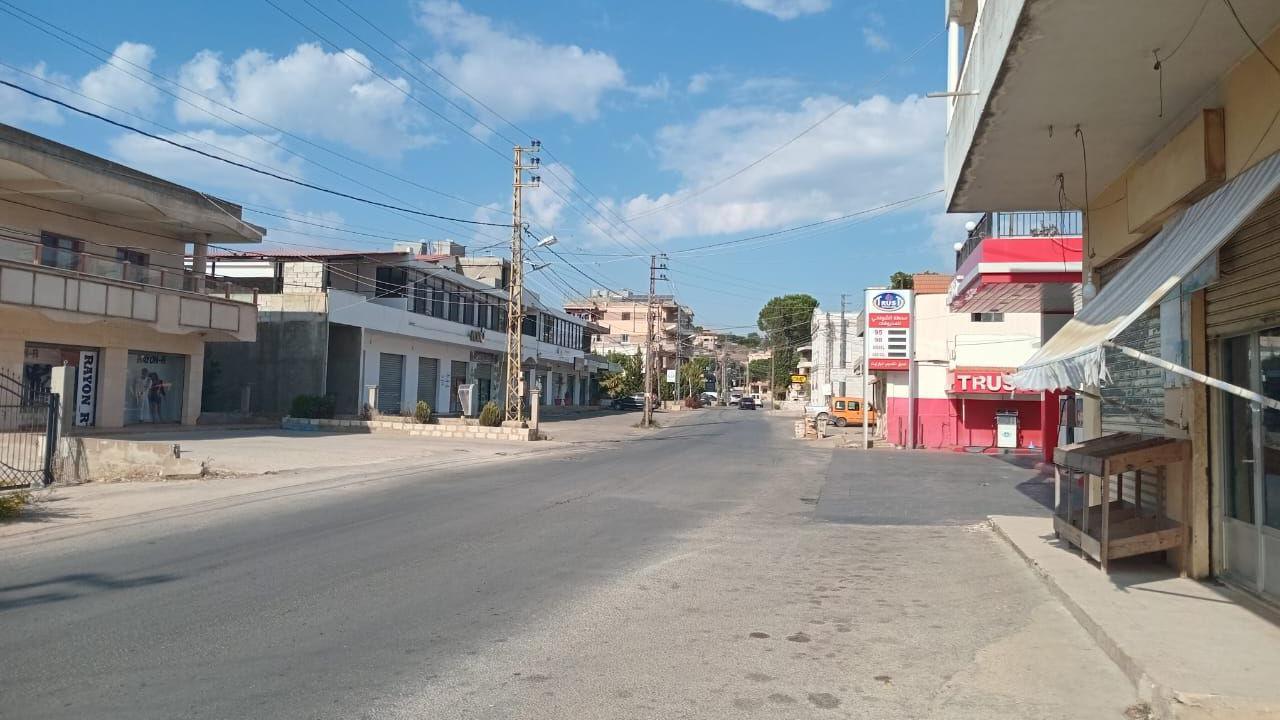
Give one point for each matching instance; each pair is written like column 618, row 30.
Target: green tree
column 629, row 380
column 787, row 324
column 901, row 281
column 693, row 376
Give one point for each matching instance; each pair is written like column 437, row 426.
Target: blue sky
column 643, row 106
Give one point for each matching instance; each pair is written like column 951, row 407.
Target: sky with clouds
column 686, row 126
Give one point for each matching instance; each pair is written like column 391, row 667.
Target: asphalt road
column 713, row 569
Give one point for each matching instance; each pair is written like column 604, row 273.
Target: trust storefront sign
column 889, row 327
column 982, row 381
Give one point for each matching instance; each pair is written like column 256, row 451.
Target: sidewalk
column 1192, row 649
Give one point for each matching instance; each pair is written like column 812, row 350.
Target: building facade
column 833, row 358
column 625, row 316
column 1180, row 243
column 962, row 400
column 384, row 330
column 92, row 276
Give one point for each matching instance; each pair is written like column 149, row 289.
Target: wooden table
column 1123, row 528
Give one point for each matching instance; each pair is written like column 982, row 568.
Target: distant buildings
column 624, row 315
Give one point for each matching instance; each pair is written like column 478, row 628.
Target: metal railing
column 33, row 252
column 1041, row 223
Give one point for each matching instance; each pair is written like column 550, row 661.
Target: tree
column 901, row 281
column 693, row 376
column 787, row 324
column 629, row 380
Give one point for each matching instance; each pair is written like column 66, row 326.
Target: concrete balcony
column 1029, row 72
column 81, row 287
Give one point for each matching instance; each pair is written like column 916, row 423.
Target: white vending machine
column 1006, row 428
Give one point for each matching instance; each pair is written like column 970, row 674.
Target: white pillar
column 954, row 50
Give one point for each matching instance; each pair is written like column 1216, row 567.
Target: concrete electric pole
column 650, row 367
column 844, row 372
column 515, row 389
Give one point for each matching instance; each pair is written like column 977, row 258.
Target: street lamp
column 546, row 242
column 535, row 267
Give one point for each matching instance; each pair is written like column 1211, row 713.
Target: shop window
column 986, row 317
column 155, row 389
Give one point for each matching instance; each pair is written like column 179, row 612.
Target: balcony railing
column 1044, row 223
column 32, row 252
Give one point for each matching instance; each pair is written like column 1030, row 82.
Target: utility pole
column 724, row 373
column 773, row 373
column 843, row 359
column 649, row 365
column 515, row 389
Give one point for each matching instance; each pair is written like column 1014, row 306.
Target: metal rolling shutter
column 427, row 377
column 390, row 382
column 1135, row 396
column 1247, row 294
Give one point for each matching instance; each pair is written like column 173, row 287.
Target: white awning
column 1074, row 356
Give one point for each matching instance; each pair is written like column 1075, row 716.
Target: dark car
column 747, row 403
column 629, row 402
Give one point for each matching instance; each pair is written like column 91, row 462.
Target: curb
column 1163, row 699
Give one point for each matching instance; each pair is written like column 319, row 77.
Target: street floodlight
column 547, row 241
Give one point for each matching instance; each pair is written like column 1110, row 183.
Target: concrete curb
column 1165, row 702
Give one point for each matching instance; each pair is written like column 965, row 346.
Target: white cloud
column 544, row 207
column 519, row 76
column 947, row 229
column 657, row 90
column 18, row 108
column 309, row 92
column 116, row 83
column 875, row 40
column 786, row 9
column 874, row 151
column 699, row 83
column 183, row 166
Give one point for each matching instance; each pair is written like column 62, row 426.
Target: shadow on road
column 67, row 587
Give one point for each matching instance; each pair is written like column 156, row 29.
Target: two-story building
column 1169, row 143
column 384, row 330
column 92, row 276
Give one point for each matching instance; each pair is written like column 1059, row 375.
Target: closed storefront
column 1134, row 399
column 1242, row 316
column 390, row 382
column 428, row 375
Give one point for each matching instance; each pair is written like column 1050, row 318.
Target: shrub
column 490, row 415
column 692, row 402
column 313, row 406
column 12, row 503
column 422, row 412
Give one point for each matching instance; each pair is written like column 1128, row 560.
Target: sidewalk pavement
column 1193, row 650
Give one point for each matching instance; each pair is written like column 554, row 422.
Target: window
column 135, row 264
column 624, row 338
column 530, row 326
column 546, row 329
column 839, row 404
column 853, row 405
column 468, row 309
column 390, row 282
column 626, row 316
column 437, row 299
column 60, row 252
column 421, row 295
column 986, row 317
column 455, row 305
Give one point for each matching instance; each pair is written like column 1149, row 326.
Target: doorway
column 1251, row 464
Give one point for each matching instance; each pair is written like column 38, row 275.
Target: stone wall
column 442, row 430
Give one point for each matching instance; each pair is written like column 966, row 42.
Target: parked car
column 747, row 403
column 842, row 411
column 629, row 402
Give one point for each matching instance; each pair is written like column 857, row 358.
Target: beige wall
column 115, row 338
column 99, row 239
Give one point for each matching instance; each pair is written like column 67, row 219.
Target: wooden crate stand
column 1116, row 528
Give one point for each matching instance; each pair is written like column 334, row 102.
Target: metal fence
column 1046, row 223
column 28, row 434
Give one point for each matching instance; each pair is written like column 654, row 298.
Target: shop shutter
column 1246, row 296
column 390, row 382
column 428, row 374
column 1134, row 399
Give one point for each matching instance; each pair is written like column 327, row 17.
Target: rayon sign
column 888, row 336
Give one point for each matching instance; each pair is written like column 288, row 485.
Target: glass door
column 1251, row 463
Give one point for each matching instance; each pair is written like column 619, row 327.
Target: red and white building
column 1017, row 283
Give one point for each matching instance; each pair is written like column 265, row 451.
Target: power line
column 234, row 163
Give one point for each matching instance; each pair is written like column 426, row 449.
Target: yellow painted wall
column 1251, row 93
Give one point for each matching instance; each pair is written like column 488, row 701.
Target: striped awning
column 1075, row 356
